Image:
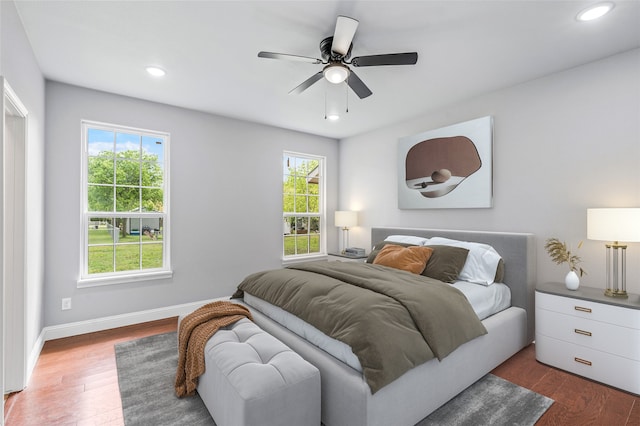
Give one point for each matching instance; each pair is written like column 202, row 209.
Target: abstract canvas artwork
column 450, row 167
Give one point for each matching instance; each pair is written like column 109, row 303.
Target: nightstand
column 587, row 333
column 345, row 258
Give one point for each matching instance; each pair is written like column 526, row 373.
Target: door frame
column 14, row 244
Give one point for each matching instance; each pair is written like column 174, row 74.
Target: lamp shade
column 614, row 224
column 346, row 219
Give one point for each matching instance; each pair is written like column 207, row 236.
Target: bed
column 347, row 398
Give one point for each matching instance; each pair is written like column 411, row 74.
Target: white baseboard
column 99, row 324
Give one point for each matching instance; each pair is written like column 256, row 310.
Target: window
column 303, row 209
column 125, row 204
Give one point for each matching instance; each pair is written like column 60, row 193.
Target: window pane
column 100, row 198
column 128, row 142
column 314, row 204
column 101, row 231
column 152, row 200
column 314, row 243
column 151, row 174
column 301, row 166
column 289, row 245
column 151, row 230
column 100, row 142
column 314, row 224
column 151, row 256
column 287, row 203
column 302, row 225
column 302, row 244
column 301, row 204
column 100, row 169
column 288, row 225
column 131, row 230
column 100, row 259
column 301, row 185
column 127, row 199
column 288, row 164
column 314, row 188
column 153, row 149
column 288, row 184
column 127, row 257
column 127, row 172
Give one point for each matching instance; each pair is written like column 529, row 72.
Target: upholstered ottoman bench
column 253, row 379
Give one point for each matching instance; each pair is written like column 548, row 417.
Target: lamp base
column 616, row 293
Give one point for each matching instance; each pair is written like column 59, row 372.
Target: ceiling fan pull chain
column 325, row 101
column 346, row 95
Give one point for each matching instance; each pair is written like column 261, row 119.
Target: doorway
column 12, row 331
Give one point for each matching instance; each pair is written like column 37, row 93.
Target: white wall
column 562, row 143
column 21, row 70
column 226, row 202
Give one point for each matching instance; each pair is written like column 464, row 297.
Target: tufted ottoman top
column 254, row 362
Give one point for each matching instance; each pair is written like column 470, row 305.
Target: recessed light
column 156, row 71
column 333, row 117
column 595, row 11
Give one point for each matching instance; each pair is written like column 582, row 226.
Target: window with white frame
column 303, row 209
column 125, row 204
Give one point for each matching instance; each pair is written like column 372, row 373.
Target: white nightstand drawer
column 590, row 310
column 616, row 371
column 597, row 335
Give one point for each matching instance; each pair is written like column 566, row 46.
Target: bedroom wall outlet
column 66, row 304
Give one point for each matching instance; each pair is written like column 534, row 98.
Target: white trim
column 122, row 279
column 34, row 355
column 92, row 280
column 290, row 260
column 322, row 183
column 106, row 323
column 15, row 270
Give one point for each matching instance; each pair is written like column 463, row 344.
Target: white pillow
column 481, row 264
column 407, row 239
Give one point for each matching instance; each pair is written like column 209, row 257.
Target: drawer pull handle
column 581, row 309
column 584, row 333
column 582, row 361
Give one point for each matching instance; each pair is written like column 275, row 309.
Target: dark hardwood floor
column 75, row 383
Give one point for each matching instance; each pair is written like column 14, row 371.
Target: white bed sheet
column 485, row 300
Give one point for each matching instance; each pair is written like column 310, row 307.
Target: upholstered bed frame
column 346, row 398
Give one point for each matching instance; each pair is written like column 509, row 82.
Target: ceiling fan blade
column 307, row 83
column 271, row 55
column 343, row 35
column 358, row 86
column 409, row 58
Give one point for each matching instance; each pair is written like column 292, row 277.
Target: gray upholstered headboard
column 517, row 250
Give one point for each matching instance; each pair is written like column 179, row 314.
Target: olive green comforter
column 393, row 320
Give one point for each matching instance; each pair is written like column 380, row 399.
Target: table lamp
column 616, row 225
column 345, row 219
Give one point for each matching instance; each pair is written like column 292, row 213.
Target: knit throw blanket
column 195, row 330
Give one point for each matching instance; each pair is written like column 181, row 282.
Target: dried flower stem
column 560, row 253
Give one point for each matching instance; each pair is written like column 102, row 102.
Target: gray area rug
column 147, row 367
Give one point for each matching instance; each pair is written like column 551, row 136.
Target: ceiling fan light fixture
column 336, row 73
column 595, row 11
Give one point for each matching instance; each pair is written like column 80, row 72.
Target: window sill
column 292, row 260
column 123, row 279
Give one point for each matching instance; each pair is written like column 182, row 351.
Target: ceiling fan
column 336, row 51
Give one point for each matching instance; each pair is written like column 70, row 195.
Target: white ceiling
column 209, row 50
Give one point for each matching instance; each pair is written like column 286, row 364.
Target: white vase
column 572, row 281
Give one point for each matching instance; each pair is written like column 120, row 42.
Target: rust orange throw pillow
column 413, row 259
